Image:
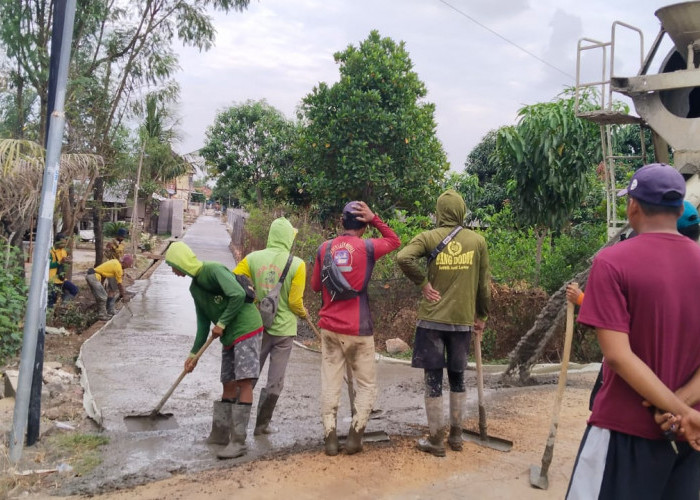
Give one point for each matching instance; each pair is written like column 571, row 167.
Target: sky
column 481, row 61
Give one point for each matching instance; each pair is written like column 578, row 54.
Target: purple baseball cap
column 657, row 184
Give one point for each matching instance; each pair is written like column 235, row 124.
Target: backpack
column 333, row 279
column 269, row 304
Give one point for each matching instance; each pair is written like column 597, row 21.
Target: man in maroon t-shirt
column 346, row 325
column 648, row 327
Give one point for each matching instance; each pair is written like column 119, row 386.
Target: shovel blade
column 150, row 422
column 369, row 437
column 489, row 441
column 537, row 479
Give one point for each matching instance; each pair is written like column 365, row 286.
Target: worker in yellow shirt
column 59, row 260
column 111, row 269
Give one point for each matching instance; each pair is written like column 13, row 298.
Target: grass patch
column 81, row 450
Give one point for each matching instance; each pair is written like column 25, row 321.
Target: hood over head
column 281, row 235
column 182, row 258
column 451, row 209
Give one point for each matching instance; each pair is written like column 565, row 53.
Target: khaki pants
column 339, row 352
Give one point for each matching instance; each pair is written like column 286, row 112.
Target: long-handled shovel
column 538, row 475
column 155, row 420
column 482, row 436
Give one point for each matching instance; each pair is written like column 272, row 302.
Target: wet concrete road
column 130, row 365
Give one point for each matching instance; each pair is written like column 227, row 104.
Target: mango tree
column 543, row 161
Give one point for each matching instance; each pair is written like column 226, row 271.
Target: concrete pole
column 36, row 302
column 135, row 233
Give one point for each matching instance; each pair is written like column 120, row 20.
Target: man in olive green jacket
column 264, row 268
column 455, row 302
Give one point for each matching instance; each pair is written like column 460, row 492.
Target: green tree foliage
column 369, row 136
column 13, row 301
column 250, row 144
column 544, row 160
column 482, row 163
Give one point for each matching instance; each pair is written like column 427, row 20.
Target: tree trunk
column 541, row 234
column 97, row 220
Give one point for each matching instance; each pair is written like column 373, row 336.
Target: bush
column 13, row 301
column 109, row 229
column 147, row 241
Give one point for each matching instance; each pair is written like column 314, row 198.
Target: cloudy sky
column 480, row 60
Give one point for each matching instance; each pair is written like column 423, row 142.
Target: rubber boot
column 330, row 443
column 353, row 444
column 266, row 406
column 457, row 403
column 110, row 305
column 240, row 415
column 221, row 423
column 102, row 310
column 434, row 444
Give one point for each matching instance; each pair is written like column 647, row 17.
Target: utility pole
column 36, row 301
column 135, row 233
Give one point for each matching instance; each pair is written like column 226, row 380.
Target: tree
column 369, row 136
column 118, row 55
column 250, row 145
column 482, row 163
column 544, row 160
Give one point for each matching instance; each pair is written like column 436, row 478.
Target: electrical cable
column 505, row 39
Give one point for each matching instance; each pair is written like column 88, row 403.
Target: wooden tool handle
column 480, row 387
column 313, row 327
column 182, row 375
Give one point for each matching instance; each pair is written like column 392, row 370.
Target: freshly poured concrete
column 130, row 365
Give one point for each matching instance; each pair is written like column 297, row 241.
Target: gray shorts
column 242, row 360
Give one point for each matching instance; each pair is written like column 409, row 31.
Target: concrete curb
column 541, row 369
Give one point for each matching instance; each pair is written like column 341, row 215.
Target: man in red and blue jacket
column 346, row 325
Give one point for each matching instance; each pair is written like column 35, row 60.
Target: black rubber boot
column 353, row 444
column 240, row 415
column 330, row 443
column 435, row 443
column 266, row 407
column 457, row 402
column 110, row 305
column 221, row 423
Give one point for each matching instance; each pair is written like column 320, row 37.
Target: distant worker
column 265, row 268
column 646, row 322
column 104, row 299
column 456, row 295
column 221, row 300
column 114, row 250
column 346, row 322
column 59, row 260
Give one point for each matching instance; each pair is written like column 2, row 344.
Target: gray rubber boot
column 435, row 443
column 458, row 401
column 221, row 423
column 330, row 443
column 266, row 407
column 110, row 305
column 240, row 415
column 102, row 310
column 353, row 444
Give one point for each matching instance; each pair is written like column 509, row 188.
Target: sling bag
column 443, row 244
column 269, row 304
column 333, row 279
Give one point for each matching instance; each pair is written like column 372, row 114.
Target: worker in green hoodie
column 455, row 302
column 264, row 268
column 221, row 300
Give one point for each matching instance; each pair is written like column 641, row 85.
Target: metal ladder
column 608, row 114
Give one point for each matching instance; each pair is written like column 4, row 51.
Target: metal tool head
column 537, row 479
